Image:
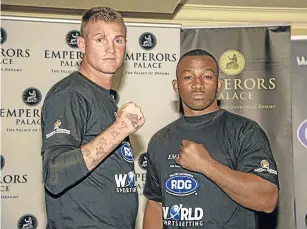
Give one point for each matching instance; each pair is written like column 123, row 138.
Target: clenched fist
column 193, row 156
column 130, row 117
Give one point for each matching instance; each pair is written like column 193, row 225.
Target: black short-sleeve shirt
column 191, row 200
column 75, row 111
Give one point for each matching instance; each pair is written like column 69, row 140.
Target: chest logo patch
column 57, row 129
column 181, row 184
column 127, row 153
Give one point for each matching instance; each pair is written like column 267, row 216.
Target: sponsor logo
column 114, row 95
column 172, row 156
column 127, row 152
column 3, row 37
column 125, row 183
column 140, row 182
column 10, row 56
column 147, row 41
column 21, row 119
column 2, row 161
column 302, row 133
column 27, row 222
column 247, row 87
column 181, row 184
column 143, row 161
column 31, row 96
column 8, row 181
column 232, row 62
column 301, row 60
column 69, row 59
column 71, row 38
column 57, row 129
column 265, row 167
column 148, row 61
column 180, row 216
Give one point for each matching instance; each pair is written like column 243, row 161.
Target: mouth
column 198, row 95
column 109, row 59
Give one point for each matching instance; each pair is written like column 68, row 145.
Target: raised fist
column 130, row 117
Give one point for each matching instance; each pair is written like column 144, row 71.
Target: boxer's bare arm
column 129, row 119
column 153, row 215
column 65, row 165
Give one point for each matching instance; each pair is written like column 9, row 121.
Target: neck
column 102, row 79
column 189, row 112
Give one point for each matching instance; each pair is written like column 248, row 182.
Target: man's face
column 197, row 82
column 104, row 46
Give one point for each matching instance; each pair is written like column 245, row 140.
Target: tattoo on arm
column 133, row 118
column 86, row 152
column 95, row 162
column 100, row 147
column 101, row 151
column 123, row 125
column 114, row 134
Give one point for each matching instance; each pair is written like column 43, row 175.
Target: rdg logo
column 302, row 133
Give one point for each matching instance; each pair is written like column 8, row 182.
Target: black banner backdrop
column 255, row 66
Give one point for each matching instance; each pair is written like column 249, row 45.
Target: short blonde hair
column 104, row 14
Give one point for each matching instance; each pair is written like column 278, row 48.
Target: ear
column 81, row 44
column 175, row 85
column 219, row 87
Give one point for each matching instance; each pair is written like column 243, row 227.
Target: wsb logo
column 178, row 212
column 125, row 183
column 180, row 216
column 301, row 60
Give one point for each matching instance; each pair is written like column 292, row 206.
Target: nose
column 197, row 83
column 110, row 47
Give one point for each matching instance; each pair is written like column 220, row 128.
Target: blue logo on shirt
column 131, row 179
column 181, row 184
column 127, row 152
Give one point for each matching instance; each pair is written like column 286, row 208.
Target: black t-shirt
column 191, row 200
column 75, row 111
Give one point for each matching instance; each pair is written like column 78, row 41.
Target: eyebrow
column 116, row 36
column 97, row 34
column 206, row 70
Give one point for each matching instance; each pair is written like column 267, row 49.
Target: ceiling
column 135, row 6
column 167, row 7
column 251, row 3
